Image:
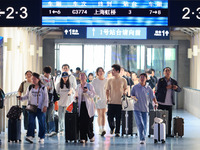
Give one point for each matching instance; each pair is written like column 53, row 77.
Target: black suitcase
column 163, row 114
column 71, row 127
column 56, row 120
column 128, row 123
column 178, row 126
column 14, row 130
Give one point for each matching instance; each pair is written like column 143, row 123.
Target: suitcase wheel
column 8, row 140
column 20, row 140
column 155, row 141
column 131, row 134
column 15, row 141
column 163, row 141
column 149, row 135
column 136, row 134
column 66, row 141
column 75, row 141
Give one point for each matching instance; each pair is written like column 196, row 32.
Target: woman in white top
column 85, row 93
column 37, row 95
column 64, row 89
column 99, row 84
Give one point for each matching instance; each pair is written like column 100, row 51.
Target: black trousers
column 85, row 123
column 169, row 108
column 114, row 111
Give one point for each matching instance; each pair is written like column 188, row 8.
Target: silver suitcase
column 159, row 132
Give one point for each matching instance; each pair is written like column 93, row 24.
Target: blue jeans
column 141, row 121
column 50, row 125
column 31, row 125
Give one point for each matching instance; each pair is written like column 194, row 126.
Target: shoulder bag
column 33, row 108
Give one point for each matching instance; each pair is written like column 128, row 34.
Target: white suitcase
column 159, row 132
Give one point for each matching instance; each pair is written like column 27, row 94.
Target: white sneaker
column 82, row 141
column 41, row 141
column 142, row 142
column 92, row 139
column 29, row 139
column 52, row 134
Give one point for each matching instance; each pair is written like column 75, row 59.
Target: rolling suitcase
column 178, row 126
column 128, row 123
column 159, row 132
column 14, row 130
column 71, row 127
column 128, row 120
column 14, row 123
column 163, row 114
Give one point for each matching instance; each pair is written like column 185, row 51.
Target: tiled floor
column 190, row 141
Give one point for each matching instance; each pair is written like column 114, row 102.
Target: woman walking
column 64, row 89
column 37, row 96
column 99, row 84
column 86, row 93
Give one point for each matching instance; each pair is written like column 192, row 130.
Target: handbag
column 55, row 94
column 33, row 108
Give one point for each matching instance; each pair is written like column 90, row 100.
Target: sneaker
column 52, row 134
column 103, row 133
column 117, row 135
column 92, row 139
column 41, row 141
column 82, row 141
column 112, row 131
column 29, row 139
column 100, row 131
column 142, row 142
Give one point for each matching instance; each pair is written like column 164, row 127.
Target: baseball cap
column 78, row 68
column 65, row 74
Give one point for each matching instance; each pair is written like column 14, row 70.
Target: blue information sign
column 75, row 32
column 142, row 33
column 158, row 33
column 116, row 33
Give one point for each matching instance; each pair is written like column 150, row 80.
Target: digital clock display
column 20, row 13
column 184, row 13
column 105, row 12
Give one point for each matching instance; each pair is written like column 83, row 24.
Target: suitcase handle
column 18, row 101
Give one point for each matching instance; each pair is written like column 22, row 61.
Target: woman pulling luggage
column 37, row 96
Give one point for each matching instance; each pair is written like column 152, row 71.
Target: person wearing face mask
column 85, row 93
column 22, row 91
column 166, row 89
column 64, row 89
column 90, row 78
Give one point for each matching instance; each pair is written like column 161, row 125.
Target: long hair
column 67, row 84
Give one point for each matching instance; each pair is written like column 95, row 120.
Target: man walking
column 165, row 94
column 116, row 88
column 142, row 94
